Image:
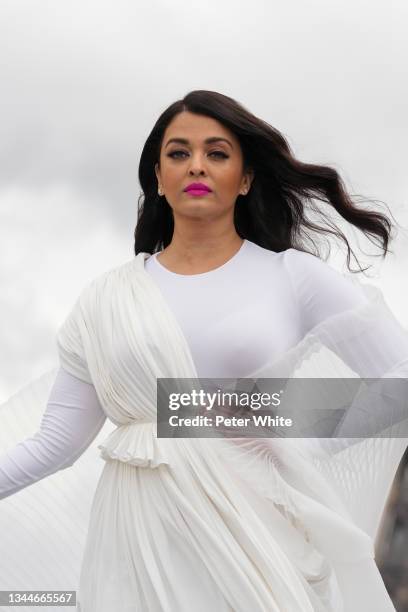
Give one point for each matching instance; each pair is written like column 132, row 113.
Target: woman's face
column 217, row 164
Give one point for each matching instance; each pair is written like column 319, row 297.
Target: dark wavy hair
column 274, row 213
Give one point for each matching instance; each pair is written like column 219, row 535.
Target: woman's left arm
column 354, row 322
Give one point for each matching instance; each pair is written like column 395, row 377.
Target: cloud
column 53, row 243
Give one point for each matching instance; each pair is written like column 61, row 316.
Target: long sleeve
column 363, row 338
column 371, row 342
column 365, row 335
column 72, row 419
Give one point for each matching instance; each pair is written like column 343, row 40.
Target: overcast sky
column 82, row 84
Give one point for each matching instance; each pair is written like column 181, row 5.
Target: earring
column 244, row 192
column 160, row 192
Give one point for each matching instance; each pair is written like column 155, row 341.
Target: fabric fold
column 135, row 443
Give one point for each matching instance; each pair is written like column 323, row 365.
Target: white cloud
column 52, row 243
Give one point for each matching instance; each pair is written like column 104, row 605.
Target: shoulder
column 90, row 308
column 299, row 267
column 97, row 292
column 308, row 272
column 320, row 289
column 107, row 280
column 305, row 267
column 302, row 261
column 294, row 259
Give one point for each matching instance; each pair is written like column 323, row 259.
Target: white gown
column 174, row 523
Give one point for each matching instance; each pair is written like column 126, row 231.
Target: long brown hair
column 274, row 213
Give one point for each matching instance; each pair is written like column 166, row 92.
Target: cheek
column 172, row 176
column 230, row 180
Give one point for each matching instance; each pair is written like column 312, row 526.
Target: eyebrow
column 206, row 141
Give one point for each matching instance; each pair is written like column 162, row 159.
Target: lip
column 197, row 188
column 198, row 192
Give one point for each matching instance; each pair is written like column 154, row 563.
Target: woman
column 220, row 288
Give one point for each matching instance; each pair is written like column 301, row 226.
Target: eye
column 175, row 154
column 219, row 153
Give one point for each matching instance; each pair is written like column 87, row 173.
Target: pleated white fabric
column 228, row 525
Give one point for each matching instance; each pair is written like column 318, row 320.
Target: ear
column 157, row 171
column 248, row 178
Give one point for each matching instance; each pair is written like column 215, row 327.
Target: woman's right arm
column 71, row 421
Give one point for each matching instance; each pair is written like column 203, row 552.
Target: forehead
column 196, row 128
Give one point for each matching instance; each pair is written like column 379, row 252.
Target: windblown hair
column 274, row 213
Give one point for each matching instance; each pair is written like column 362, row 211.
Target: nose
column 196, row 166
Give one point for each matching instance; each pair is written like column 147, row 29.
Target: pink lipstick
column 197, row 189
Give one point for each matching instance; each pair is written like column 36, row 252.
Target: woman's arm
column 370, row 341
column 72, row 419
column 364, row 333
